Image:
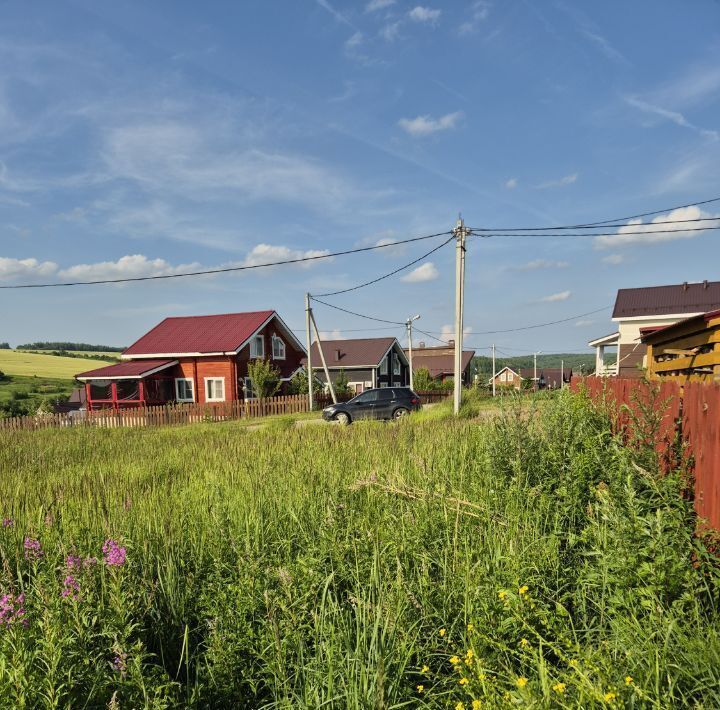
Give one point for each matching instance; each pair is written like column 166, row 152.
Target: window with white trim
column 248, row 388
column 396, row 365
column 184, row 390
column 503, row 377
column 384, row 366
column 278, row 347
column 257, row 347
column 215, row 389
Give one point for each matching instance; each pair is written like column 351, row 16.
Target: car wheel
column 342, row 418
column 400, row 412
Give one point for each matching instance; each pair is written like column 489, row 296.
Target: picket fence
column 168, row 414
column 689, row 428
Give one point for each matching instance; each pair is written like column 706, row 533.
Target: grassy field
column 34, row 389
column 18, row 362
column 519, row 560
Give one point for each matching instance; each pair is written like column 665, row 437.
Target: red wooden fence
column 689, row 413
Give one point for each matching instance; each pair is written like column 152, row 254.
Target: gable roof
column 666, row 300
column 359, row 352
column 647, row 335
column 203, row 335
column 439, row 361
column 507, row 367
column 129, row 370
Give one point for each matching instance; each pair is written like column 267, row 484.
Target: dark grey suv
column 380, row 403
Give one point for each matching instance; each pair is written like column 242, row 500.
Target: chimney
column 338, row 354
column 705, row 284
column 421, row 344
column 685, row 285
column 451, row 343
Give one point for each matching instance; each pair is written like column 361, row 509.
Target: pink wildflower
column 89, row 562
column 73, row 562
column 8, row 522
column 12, row 610
column 119, row 662
column 33, row 549
column 113, row 554
column 71, row 588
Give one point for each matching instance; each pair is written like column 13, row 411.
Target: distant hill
column 482, row 365
column 77, row 347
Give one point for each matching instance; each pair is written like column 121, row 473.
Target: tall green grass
column 520, row 560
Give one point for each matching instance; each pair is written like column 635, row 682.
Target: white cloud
column 562, row 182
column 375, row 5
column 131, row 266
column 265, row 253
column 511, row 184
column 425, row 125
column 425, row 272
column 552, row 298
column 541, row 264
column 25, row 269
column 390, row 31
column 448, row 332
column 635, row 231
column 613, row 259
column 424, row 14
column 479, row 12
column 583, row 323
column 673, row 116
column 354, row 41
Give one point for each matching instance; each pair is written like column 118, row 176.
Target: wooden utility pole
column 493, row 370
column 562, row 373
column 322, row 358
column 460, row 233
column 308, row 344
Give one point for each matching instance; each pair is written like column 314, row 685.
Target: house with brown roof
column 366, row 362
column 638, row 309
column 439, row 361
column 200, row 359
column 547, row 377
column 687, row 351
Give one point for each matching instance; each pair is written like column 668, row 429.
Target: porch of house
column 136, row 383
column 603, row 369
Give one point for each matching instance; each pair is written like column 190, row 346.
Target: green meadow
column 524, row 559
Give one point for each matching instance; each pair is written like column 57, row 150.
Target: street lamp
column 408, row 325
column 535, row 380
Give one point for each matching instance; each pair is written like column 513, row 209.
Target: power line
column 638, row 232
column 606, row 222
column 227, row 269
column 359, row 315
column 388, row 275
column 541, row 325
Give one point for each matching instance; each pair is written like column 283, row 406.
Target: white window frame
column 397, row 370
column 178, row 380
column 503, row 377
column 254, row 351
column 215, row 399
column 248, row 388
column 384, row 366
column 278, row 340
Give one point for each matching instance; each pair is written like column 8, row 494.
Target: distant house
column 366, row 362
column 194, row 359
column 440, row 361
column 547, row 377
column 687, row 351
column 637, row 309
column 76, row 402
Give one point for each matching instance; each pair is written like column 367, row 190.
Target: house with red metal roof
column 194, row 359
column 366, row 362
column 641, row 310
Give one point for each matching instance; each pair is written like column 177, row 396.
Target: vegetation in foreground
column 517, row 561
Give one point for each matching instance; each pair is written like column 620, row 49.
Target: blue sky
column 145, row 138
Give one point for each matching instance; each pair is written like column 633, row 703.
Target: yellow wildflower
column 420, row 688
column 460, row 706
column 609, row 696
column 524, row 643
column 454, row 660
column 476, row 705
column 573, row 663
column 470, row 627
column 522, row 681
column 442, row 632
column 481, row 676
column 506, row 696
column 425, row 669
column 523, row 590
column 559, row 687
column 463, row 681
column 628, row 680
column 502, row 595
column 469, row 653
